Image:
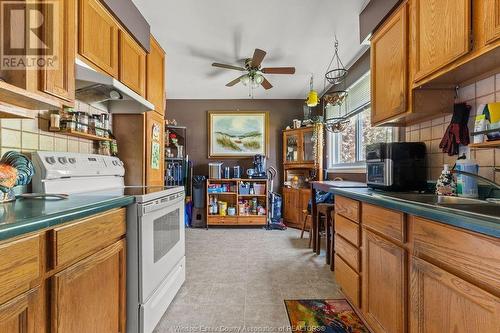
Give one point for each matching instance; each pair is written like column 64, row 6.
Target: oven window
column 166, row 233
column 376, row 173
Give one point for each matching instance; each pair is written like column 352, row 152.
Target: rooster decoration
column 15, row 169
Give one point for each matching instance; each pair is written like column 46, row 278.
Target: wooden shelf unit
column 82, row 135
column 232, row 198
column 484, row 145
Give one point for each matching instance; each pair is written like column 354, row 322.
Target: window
column 347, row 149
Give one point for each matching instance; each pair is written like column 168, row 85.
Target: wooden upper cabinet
column 132, row 64
column 443, row 302
column 156, row 76
column 492, row 20
column 60, row 81
column 98, row 36
column 442, row 34
column 384, row 285
column 22, row 314
column 389, row 66
column 90, row 295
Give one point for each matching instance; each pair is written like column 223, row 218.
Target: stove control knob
column 50, row 160
column 63, row 160
column 72, row 160
column 115, row 163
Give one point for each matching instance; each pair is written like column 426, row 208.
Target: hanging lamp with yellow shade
column 312, row 97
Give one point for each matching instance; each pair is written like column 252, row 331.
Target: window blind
column 358, row 99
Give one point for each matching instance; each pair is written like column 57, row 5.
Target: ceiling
column 300, row 33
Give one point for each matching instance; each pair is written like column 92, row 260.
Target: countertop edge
column 475, row 224
column 46, row 221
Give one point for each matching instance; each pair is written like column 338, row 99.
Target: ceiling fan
column 254, row 76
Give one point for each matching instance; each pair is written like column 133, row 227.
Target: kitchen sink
column 489, row 208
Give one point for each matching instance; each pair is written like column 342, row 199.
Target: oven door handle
column 161, row 204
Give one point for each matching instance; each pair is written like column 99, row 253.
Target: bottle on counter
column 466, row 185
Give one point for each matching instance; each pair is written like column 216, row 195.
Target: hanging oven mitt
column 457, row 132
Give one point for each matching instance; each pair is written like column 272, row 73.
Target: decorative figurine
column 15, row 169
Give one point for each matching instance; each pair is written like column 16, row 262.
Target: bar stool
column 304, row 226
column 325, row 210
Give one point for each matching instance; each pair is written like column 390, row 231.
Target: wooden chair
column 307, row 217
column 325, row 213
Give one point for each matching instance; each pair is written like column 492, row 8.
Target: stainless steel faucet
column 473, row 175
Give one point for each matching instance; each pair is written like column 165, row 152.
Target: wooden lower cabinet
column 443, row 302
column 22, row 314
column 84, row 292
column 84, row 301
column 383, row 284
column 295, row 201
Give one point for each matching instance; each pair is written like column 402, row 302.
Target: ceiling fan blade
column 266, row 84
column 235, row 81
column 279, row 70
column 258, row 56
column 215, row 64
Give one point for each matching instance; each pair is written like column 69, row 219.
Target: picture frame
column 238, row 134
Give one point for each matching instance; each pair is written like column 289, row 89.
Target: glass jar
column 104, row 148
column 82, row 122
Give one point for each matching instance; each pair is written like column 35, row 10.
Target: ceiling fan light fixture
column 245, row 80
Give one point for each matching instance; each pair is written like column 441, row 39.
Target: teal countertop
column 28, row 215
column 454, row 217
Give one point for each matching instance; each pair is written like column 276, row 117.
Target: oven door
column 162, row 241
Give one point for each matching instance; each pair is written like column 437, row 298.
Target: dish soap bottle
column 446, row 183
column 466, row 185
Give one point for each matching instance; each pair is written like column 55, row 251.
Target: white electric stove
column 155, row 228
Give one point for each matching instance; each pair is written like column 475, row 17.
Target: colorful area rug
column 324, row 315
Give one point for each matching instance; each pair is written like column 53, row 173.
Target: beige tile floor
column 238, row 278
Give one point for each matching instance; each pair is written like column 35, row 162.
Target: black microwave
column 396, row 166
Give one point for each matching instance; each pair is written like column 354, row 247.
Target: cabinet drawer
column 19, row 266
column 347, row 229
column 346, row 251
column 229, row 220
column 347, row 207
column 385, row 221
column 348, row 280
column 469, row 255
column 84, row 237
column 252, row 220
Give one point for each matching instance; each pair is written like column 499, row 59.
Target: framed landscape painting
column 237, row 133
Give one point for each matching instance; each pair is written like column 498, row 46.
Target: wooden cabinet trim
column 381, row 113
column 60, row 82
column 384, row 295
column 348, row 208
column 492, row 20
column 78, row 239
column 63, row 279
column 420, row 73
column 471, row 256
column 132, row 64
column 86, row 38
column 390, row 223
column 348, row 229
column 348, row 253
column 348, row 280
column 462, row 305
column 20, row 266
column 22, row 314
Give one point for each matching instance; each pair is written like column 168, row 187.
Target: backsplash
column 431, row 132
column 28, row 135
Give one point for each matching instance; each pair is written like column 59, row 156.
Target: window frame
column 333, row 141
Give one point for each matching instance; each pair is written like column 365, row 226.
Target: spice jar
column 82, row 122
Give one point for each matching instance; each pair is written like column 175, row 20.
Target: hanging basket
column 335, row 98
column 336, row 76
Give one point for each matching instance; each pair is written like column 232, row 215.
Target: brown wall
column 193, row 115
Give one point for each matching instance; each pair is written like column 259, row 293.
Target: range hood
column 106, row 93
